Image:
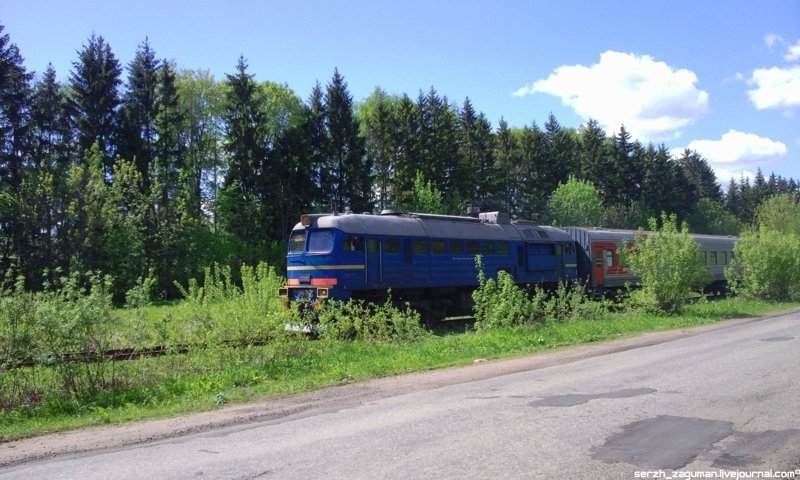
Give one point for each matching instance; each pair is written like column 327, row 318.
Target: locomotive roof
column 491, row 226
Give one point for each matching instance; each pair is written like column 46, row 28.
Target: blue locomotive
column 429, row 260
column 426, row 260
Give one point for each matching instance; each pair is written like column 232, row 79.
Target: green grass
column 207, row 379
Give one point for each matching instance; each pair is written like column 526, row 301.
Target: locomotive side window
column 297, row 243
column 439, row 247
column 473, row 247
column 488, row 248
column 421, row 247
column 320, row 241
column 456, row 247
column 502, row 248
column 353, row 244
column 392, row 245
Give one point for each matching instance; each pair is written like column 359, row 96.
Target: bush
column 68, row 327
column 502, row 303
column 766, row 265
column 668, row 263
column 356, row 319
column 220, row 312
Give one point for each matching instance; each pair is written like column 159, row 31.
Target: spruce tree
column 246, row 149
column 14, row 143
column 95, row 80
column 351, row 169
column 138, row 113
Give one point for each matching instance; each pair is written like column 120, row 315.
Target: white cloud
column 652, row 99
column 775, row 87
column 738, row 149
column 771, row 39
column 794, row 53
column 737, row 154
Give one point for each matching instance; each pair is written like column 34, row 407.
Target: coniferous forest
column 148, row 169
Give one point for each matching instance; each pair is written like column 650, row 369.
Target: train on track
column 429, row 260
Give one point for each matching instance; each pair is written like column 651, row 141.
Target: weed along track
column 120, row 354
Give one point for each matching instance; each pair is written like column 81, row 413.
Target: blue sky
column 721, row 77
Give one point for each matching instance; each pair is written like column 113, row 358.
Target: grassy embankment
column 211, row 377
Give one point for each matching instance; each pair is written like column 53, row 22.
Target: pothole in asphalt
column 663, row 442
column 571, row 399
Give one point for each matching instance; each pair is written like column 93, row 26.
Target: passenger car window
column 421, row 247
column 439, row 247
column 488, row 248
column 320, row 241
column 713, row 258
column 473, row 248
column 456, row 247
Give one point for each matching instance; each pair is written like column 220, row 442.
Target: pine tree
column 94, row 81
column 52, row 152
column 532, row 171
column 379, row 126
column 506, row 168
column 593, row 154
column 409, row 151
column 138, row 113
column 319, row 147
column 246, row 149
column 699, row 173
column 351, row 169
column 14, row 143
column 476, row 149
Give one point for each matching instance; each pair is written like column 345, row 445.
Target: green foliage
column 358, row 320
column 766, row 265
column 668, row 263
column 780, row 213
column 576, row 203
column 502, row 303
column 425, row 198
column 710, row 217
column 57, row 328
column 220, row 311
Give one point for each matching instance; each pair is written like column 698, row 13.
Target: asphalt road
column 725, row 399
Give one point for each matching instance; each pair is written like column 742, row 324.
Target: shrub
column 502, row 303
column 221, row 312
column 668, row 263
column 766, row 265
column 356, row 319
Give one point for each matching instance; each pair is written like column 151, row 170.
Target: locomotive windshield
column 297, row 242
column 320, row 241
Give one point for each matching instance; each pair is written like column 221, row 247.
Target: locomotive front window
column 297, row 242
column 320, row 241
